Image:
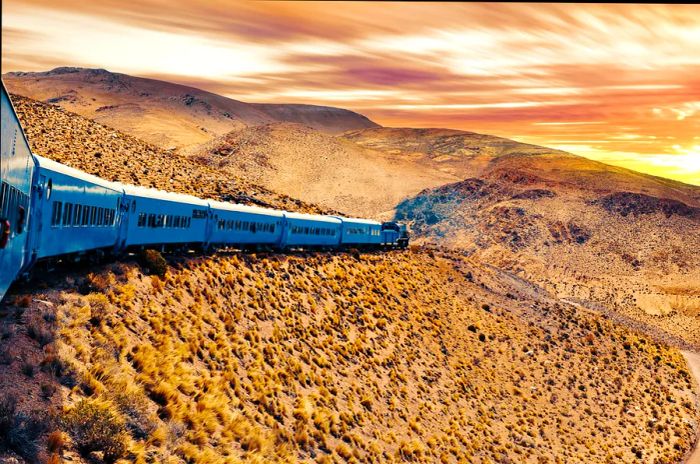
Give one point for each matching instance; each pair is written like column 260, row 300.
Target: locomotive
column 49, row 211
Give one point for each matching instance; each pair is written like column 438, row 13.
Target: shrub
column 94, row 427
column 154, row 262
column 47, row 390
column 134, row 407
column 99, row 308
column 8, row 405
column 56, row 441
column 28, row 369
column 19, row 431
column 53, row 364
column 23, row 301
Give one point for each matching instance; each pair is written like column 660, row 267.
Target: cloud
column 538, row 71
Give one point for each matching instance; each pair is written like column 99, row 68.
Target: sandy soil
column 694, row 364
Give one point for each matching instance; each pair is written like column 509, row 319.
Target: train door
column 41, row 192
column 124, row 206
column 285, row 229
column 17, row 166
column 210, row 227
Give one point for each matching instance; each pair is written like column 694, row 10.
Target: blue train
column 49, row 211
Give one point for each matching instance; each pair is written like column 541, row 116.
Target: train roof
column 144, row 192
column 360, row 221
column 313, row 217
column 45, row 163
column 221, row 205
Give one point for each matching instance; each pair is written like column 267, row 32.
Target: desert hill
column 163, row 113
column 391, row 357
column 319, row 168
column 460, row 154
column 467, row 154
column 103, row 151
column 368, row 172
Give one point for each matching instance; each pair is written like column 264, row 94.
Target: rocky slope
column 627, row 253
column 390, row 357
column 163, row 113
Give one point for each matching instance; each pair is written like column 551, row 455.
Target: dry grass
column 386, row 358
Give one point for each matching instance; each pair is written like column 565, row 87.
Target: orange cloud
column 613, row 82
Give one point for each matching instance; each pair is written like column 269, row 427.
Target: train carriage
column 48, row 210
column 394, row 234
column 156, row 217
column 310, row 230
column 17, row 168
column 75, row 211
column 240, row 225
column 355, row 231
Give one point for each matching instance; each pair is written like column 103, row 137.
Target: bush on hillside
column 95, row 427
column 19, row 431
column 154, row 262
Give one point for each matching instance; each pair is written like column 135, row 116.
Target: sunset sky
column 617, row 83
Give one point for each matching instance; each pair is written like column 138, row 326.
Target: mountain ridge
column 166, row 113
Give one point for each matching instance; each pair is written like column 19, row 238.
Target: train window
column 142, row 220
column 3, row 199
column 49, row 189
column 67, row 214
column 151, row 220
column 93, row 215
column 77, row 212
column 100, row 216
column 86, row 215
column 160, row 220
column 133, row 206
column 56, row 213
